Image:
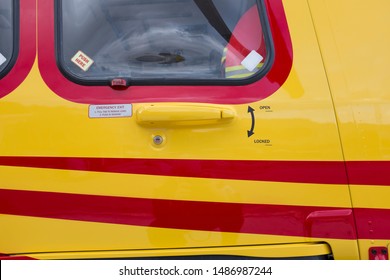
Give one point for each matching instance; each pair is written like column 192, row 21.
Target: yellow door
column 166, row 160
column 354, row 40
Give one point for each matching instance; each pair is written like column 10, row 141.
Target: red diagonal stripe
column 190, row 215
column 321, row 172
column 369, row 173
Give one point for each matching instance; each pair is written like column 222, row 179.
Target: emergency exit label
column 110, row 111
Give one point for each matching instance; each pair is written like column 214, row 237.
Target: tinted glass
column 160, row 39
column 6, row 34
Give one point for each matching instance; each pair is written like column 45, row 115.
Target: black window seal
column 268, row 62
column 15, row 40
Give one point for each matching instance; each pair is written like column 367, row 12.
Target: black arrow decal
column 251, row 111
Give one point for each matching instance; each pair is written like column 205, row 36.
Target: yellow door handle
column 183, row 114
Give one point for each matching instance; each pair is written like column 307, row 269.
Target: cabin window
column 162, row 42
column 8, row 10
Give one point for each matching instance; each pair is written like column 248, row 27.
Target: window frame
column 15, row 40
column 268, row 61
column 268, row 85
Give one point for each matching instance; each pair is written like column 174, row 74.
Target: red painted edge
column 189, row 215
column 320, row 172
column 259, row 90
column 27, row 49
column 4, row 257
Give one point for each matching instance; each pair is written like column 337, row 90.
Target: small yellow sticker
column 82, row 60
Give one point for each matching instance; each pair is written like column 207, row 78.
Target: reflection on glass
column 160, row 39
column 6, row 33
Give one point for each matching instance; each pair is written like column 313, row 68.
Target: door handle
column 176, row 115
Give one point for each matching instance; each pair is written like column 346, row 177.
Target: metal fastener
column 158, row 140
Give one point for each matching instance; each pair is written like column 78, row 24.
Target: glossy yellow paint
column 365, row 244
column 107, row 238
column 165, row 187
column 34, row 121
column 300, row 124
column 270, row 251
column 296, row 125
column 371, row 196
column 354, row 39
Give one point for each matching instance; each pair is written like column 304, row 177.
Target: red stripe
column 317, row 172
column 321, row 172
column 369, row 172
column 190, row 215
column 373, row 223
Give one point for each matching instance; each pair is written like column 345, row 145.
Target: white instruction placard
column 82, row 60
column 110, row 111
column 2, row 59
column 252, row 60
